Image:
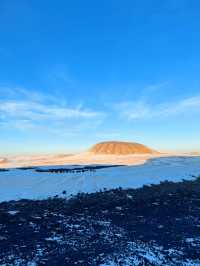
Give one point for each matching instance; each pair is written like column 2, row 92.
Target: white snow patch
column 137, row 253
column 13, row 212
column 54, row 238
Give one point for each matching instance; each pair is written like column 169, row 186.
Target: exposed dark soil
column 83, row 169
column 3, row 170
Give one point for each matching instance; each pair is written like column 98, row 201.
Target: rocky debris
column 154, row 225
column 88, row 168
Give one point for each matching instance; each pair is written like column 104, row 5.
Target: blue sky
column 73, row 73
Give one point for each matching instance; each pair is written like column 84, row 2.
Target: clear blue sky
column 73, row 73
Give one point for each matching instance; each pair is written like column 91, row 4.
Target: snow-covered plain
column 17, row 184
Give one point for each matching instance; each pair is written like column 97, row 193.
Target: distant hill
column 3, row 160
column 120, row 148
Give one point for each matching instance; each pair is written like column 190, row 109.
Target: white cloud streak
column 35, row 111
column 142, row 110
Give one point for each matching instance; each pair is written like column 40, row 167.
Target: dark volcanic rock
column 154, row 225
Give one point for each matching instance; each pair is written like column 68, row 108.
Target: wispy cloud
column 38, row 111
column 24, row 110
column 143, row 110
column 152, row 90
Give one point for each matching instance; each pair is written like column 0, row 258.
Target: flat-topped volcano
column 120, row 148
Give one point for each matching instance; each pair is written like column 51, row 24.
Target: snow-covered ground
column 84, row 158
column 17, row 184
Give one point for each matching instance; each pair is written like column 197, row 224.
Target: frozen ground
column 17, row 184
